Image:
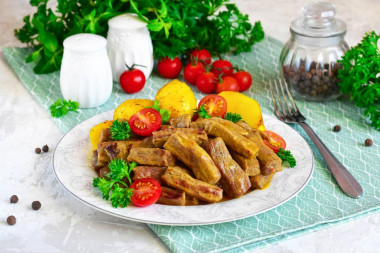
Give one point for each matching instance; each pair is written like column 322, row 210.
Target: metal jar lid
column 318, row 21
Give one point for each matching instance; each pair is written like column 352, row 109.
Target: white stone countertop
column 64, row 224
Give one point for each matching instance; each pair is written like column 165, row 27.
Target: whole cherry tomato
column 244, row 80
column 222, row 67
column 202, row 55
column 169, row 68
column 215, row 105
column 192, row 71
column 206, row 82
column 145, row 121
column 132, row 80
column 274, row 141
column 227, row 83
column 146, row 191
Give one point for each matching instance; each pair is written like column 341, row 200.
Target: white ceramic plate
column 72, row 166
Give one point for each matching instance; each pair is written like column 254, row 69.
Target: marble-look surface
column 63, row 224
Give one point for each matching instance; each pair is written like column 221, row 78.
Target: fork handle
column 345, row 180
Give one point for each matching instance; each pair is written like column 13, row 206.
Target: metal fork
column 287, row 111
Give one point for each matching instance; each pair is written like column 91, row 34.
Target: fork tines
column 283, row 102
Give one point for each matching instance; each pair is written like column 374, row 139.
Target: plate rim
column 184, row 223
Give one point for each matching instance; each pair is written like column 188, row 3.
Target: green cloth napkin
column 320, row 204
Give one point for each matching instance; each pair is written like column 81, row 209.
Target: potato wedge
column 247, row 107
column 97, row 130
column 177, row 97
column 131, row 106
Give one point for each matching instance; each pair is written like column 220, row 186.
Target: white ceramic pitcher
column 86, row 75
column 129, row 42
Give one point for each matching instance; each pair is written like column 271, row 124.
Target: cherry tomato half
column 202, row 55
column 206, row 82
column 222, row 67
column 145, row 122
column 192, row 71
column 215, row 105
column 132, row 80
column 274, row 141
column 169, row 68
column 228, row 83
column 146, row 191
column 244, row 80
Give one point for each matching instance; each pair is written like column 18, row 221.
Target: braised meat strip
column 235, row 141
column 181, row 121
column 151, row 156
column 193, row 156
column 177, row 179
column 230, row 125
column 233, row 179
column 148, row 172
column 269, row 161
column 260, row 181
column 110, row 150
column 251, row 165
column 172, row 197
column 162, row 136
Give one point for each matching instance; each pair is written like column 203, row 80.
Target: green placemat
column 320, row 204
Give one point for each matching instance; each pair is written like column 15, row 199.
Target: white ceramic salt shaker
column 129, row 42
column 86, row 75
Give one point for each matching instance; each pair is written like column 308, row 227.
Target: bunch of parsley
column 360, row 76
column 175, row 26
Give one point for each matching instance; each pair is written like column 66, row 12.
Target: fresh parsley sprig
column 165, row 113
column 175, row 27
column 202, row 112
column 234, row 117
column 110, row 185
column 360, row 76
column 61, row 107
column 120, row 130
column 287, row 156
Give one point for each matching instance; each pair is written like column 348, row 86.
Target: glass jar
column 309, row 58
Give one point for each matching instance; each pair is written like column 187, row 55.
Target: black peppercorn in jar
column 309, row 58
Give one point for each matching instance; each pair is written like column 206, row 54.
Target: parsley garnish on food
column 109, row 185
column 287, row 156
column 360, row 76
column 202, row 113
column 61, row 107
column 234, row 117
column 165, row 113
column 120, row 130
column 175, row 27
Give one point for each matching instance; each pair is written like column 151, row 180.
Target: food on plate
column 195, row 161
column 181, row 121
column 132, row 80
column 247, row 107
column 145, row 121
column 151, row 156
column 96, row 131
column 244, row 79
column 215, row 106
column 131, row 106
column 268, row 159
column 193, row 156
column 146, row 191
column 169, row 68
column 162, row 136
column 234, row 181
column 178, row 179
column 227, row 83
column 273, row 140
column 177, row 97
